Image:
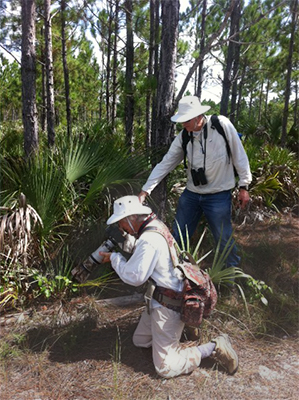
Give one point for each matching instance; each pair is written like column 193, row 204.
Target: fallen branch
column 123, row 300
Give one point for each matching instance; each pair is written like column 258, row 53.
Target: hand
column 243, row 198
column 142, row 196
column 106, row 256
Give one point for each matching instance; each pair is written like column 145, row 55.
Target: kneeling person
column 160, row 325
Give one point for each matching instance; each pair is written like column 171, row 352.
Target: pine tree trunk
column 240, row 90
column 30, row 122
column 236, row 66
column 227, row 78
column 166, row 87
column 148, row 115
column 293, row 9
column 114, row 71
column 65, row 71
column 154, row 140
column 201, row 48
column 49, row 75
column 44, row 89
column 129, row 101
column 108, row 68
column 296, row 106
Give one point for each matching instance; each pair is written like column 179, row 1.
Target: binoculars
column 199, row 177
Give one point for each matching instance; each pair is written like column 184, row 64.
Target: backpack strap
column 216, row 125
column 185, row 140
column 163, row 230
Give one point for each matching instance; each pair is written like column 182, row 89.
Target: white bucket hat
column 189, row 107
column 126, row 206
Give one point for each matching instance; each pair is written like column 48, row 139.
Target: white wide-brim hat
column 189, row 107
column 126, row 206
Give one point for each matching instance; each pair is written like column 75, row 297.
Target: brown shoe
column 225, row 354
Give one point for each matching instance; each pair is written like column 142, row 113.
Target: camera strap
column 150, row 218
column 203, row 146
column 205, row 135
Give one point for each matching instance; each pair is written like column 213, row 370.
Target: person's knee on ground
column 142, row 340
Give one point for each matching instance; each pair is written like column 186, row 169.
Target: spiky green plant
column 268, row 187
column 219, row 274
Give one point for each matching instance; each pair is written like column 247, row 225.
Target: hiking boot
column 225, row 354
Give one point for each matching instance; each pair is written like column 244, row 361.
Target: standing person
column 160, row 325
column 210, row 174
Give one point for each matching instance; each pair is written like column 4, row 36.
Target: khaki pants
column 162, row 330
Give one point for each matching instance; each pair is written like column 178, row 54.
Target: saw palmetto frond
column 16, row 225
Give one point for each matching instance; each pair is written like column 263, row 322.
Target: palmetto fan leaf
column 44, row 186
column 81, row 157
column 116, row 168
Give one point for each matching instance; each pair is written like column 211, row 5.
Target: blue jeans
column 217, row 210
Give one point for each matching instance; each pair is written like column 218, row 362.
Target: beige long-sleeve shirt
column 150, row 259
column 219, row 169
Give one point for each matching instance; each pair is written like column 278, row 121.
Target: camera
column 199, row 177
column 82, row 271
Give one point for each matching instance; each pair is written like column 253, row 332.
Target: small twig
column 10, row 53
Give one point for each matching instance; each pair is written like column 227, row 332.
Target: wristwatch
column 244, row 187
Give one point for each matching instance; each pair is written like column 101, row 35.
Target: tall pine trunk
column 108, row 66
column 198, row 90
column 129, row 100
column 293, row 9
column 65, row 71
column 154, row 139
column 227, row 78
column 148, row 112
column 166, row 87
column 236, row 66
column 114, row 68
column 49, row 75
column 28, row 73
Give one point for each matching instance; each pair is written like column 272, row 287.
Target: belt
column 168, row 298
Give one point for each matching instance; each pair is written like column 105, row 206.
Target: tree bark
column 166, row 86
column 236, row 66
column 43, row 117
column 201, row 48
column 108, row 69
column 129, row 100
column 227, row 78
column 28, row 72
column 154, row 140
column 49, row 75
column 148, row 115
column 240, row 90
column 293, row 9
column 114, row 70
column 65, row 71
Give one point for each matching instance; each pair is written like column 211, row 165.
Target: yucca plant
column 186, row 247
column 219, row 274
